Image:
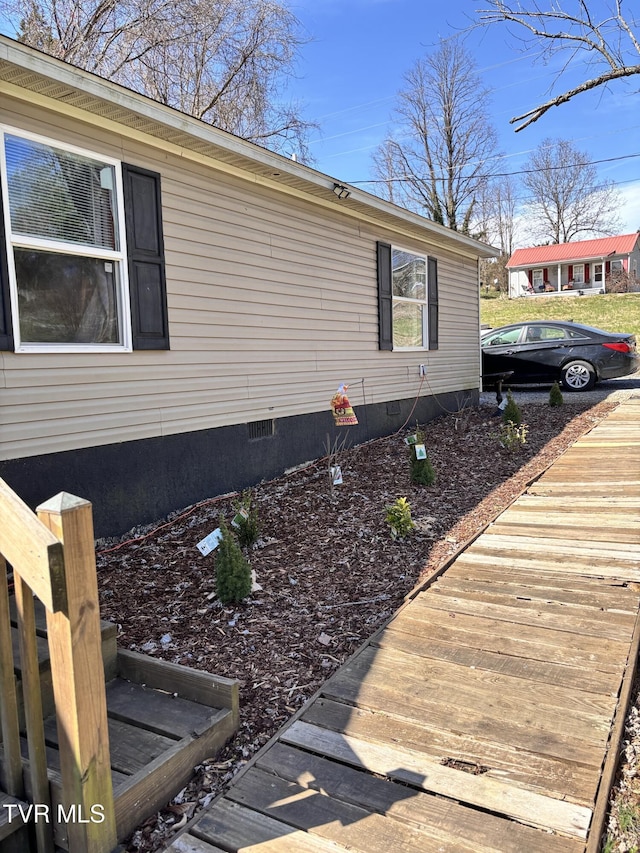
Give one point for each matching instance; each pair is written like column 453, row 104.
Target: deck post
column 78, row 683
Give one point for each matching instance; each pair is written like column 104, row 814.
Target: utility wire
column 502, row 174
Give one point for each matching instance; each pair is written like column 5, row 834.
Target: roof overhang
column 28, row 73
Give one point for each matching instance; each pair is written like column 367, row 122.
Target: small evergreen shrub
column 399, row 518
column 245, row 521
column 511, row 411
column 233, row 573
column 555, row 395
column 421, row 470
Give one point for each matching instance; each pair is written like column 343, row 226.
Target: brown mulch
column 328, row 569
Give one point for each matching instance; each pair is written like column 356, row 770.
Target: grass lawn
column 614, row 312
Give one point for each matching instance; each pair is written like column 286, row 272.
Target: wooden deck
column 485, row 715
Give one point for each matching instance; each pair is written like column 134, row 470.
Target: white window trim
column 117, row 256
column 581, row 268
column 423, row 302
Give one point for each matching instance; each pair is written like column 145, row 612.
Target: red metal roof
column 581, row 250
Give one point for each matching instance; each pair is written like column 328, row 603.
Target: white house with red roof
column 581, row 268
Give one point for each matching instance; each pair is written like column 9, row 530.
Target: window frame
column 116, row 256
column 423, row 303
column 578, row 279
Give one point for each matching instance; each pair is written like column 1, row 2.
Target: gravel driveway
column 613, row 390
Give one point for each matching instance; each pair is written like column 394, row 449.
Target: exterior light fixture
column 341, row 191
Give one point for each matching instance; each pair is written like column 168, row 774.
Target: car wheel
column 578, row 376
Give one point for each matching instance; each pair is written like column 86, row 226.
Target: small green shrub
column 555, row 395
column 511, row 411
column 513, row 436
column 246, row 521
column 233, row 573
column 399, row 518
column 421, row 470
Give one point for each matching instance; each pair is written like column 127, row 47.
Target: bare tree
column 443, row 147
column 608, row 44
column 566, row 198
column 497, row 221
column 224, row 61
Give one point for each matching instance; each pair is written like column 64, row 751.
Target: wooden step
column 108, row 633
column 164, row 719
column 13, row 832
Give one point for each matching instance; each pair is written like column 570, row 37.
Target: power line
column 504, row 174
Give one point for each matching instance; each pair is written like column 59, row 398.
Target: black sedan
column 546, row 351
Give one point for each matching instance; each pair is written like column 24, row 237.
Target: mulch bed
column 328, row 569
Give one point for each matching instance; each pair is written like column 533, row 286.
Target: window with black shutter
column 66, row 255
column 407, row 299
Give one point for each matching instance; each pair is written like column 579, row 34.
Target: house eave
column 26, row 70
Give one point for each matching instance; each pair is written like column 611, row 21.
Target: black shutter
column 6, row 329
column 432, row 301
column 145, row 249
column 385, row 295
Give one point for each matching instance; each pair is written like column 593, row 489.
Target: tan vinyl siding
column 272, row 304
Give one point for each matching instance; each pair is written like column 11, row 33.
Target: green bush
column 511, row 412
column 421, row 470
column 555, row 395
column 245, row 521
column 233, row 573
column 513, row 436
column 399, row 518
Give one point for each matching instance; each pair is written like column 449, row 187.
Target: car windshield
column 500, row 337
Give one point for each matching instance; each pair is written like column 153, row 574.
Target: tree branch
column 603, row 79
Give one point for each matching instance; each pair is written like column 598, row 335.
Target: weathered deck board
column 535, row 671
column 172, row 717
column 398, row 763
column 479, row 718
column 498, row 759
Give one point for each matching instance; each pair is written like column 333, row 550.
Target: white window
column 64, row 223
column 578, row 273
column 616, row 266
column 537, row 279
column 409, row 287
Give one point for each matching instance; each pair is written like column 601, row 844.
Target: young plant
column 513, row 436
column 245, row 521
column 334, row 452
column 233, row 573
column 399, row 518
column 555, row 395
column 511, row 411
column 421, row 469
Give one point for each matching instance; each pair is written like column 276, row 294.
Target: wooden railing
column 52, row 558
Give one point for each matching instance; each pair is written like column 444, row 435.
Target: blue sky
column 350, row 72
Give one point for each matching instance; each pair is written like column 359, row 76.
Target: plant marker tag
column 336, row 475
column 239, row 517
column 411, row 439
column 421, row 451
column 210, row 542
